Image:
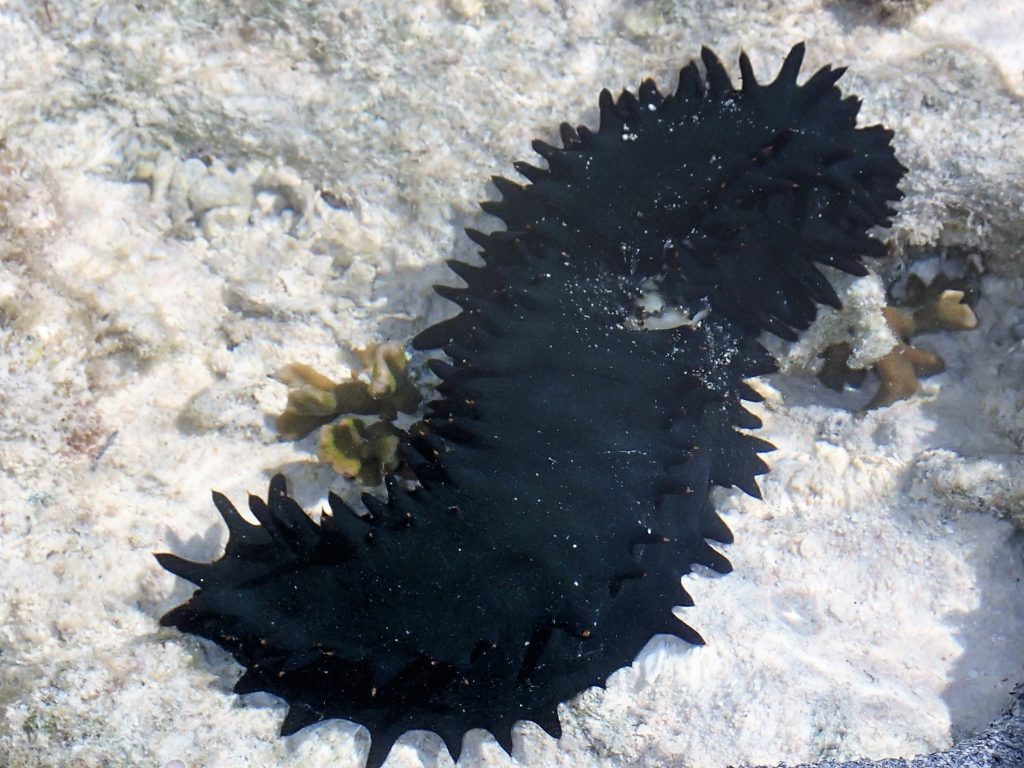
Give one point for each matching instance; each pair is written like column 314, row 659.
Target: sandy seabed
column 193, row 194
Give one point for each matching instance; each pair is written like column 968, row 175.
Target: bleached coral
column 860, row 322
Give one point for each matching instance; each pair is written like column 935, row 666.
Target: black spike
column 452, row 736
column 186, row 569
column 530, row 172
column 718, row 79
column 790, row 69
column 503, row 735
column 261, row 512
column 378, row 507
column 277, row 489
column 441, row 369
column 439, row 335
column 548, row 720
column 478, row 237
column 381, row 742
column 251, row 681
column 237, row 525
column 713, row 527
column 649, row 94
column 570, row 138
column 627, row 103
column 716, row 561
column 750, row 83
column 467, row 272
column 677, row 628
column 343, row 510
column 691, row 86
column 494, row 208
column 299, row 716
column 821, row 82
column 611, row 120
column 586, row 139
column 291, row 520
column 457, row 295
column 181, row 616
column 507, row 188
column 544, row 149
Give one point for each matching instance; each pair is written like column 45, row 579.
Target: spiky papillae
column 564, row 472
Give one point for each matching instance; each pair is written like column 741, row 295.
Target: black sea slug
column 564, row 471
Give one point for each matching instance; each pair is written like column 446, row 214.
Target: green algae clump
column 358, row 449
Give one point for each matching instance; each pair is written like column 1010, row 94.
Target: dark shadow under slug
column 564, row 472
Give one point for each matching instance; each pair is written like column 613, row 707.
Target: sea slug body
column 564, row 472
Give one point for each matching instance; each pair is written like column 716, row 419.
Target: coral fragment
column 901, row 369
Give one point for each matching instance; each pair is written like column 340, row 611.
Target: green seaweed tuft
column 358, row 449
column 315, row 400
